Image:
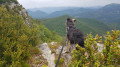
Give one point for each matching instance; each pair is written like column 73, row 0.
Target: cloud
column 62, row 3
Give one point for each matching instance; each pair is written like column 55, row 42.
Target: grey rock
column 46, row 53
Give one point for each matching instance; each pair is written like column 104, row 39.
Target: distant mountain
column 85, row 25
column 59, row 11
column 50, row 10
column 37, row 14
column 109, row 14
column 72, row 12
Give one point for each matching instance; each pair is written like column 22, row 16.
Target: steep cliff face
column 19, row 10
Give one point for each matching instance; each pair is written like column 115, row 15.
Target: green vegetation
column 4, row 1
column 92, row 25
column 85, row 25
column 44, row 66
column 18, row 40
column 56, row 24
column 61, row 62
column 91, row 57
column 46, row 35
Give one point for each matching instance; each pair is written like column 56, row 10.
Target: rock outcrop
column 19, row 10
column 46, row 53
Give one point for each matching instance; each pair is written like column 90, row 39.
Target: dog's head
column 74, row 20
column 71, row 20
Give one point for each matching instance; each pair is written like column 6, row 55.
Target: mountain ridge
column 86, row 25
column 109, row 14
column 37, row 14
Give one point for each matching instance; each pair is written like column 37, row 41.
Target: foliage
column 60, row 63
column 46, row 35
column 112, row 51
column 25, row 65
column 34, row 50
column 90, row 56
column 16, row 38
column 44, row 66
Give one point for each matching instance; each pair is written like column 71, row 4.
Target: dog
column 74, row 35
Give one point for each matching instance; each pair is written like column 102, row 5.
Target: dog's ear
column 73, row 20
column 68, row 19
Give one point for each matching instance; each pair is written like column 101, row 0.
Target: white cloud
column 60, row 3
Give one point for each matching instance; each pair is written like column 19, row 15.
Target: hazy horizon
column 29, row 4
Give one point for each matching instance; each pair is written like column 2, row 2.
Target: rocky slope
column 50, row 57
column 19, row 10
column 46, row 53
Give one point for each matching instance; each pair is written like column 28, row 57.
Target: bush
column 15, row 39
column 34, row 50
column 25, row 65
column 91, row 57
column 60, row 63
column 44, row 66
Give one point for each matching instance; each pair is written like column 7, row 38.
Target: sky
column 65, row 3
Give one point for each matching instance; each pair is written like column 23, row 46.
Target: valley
column 85, row 25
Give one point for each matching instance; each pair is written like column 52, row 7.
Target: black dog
column 74, row 35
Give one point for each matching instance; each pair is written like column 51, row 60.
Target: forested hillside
column 19, row 34
column 85, row 25
column 37, row 14
column 109, row 14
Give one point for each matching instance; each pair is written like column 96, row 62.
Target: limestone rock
column 46, row 53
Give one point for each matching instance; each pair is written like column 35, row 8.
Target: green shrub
column 25, row 65
column 91, row 57
column 44, row 66
column 53, row 51
column 61, row 61
column 16, row 38
column 34, row 50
